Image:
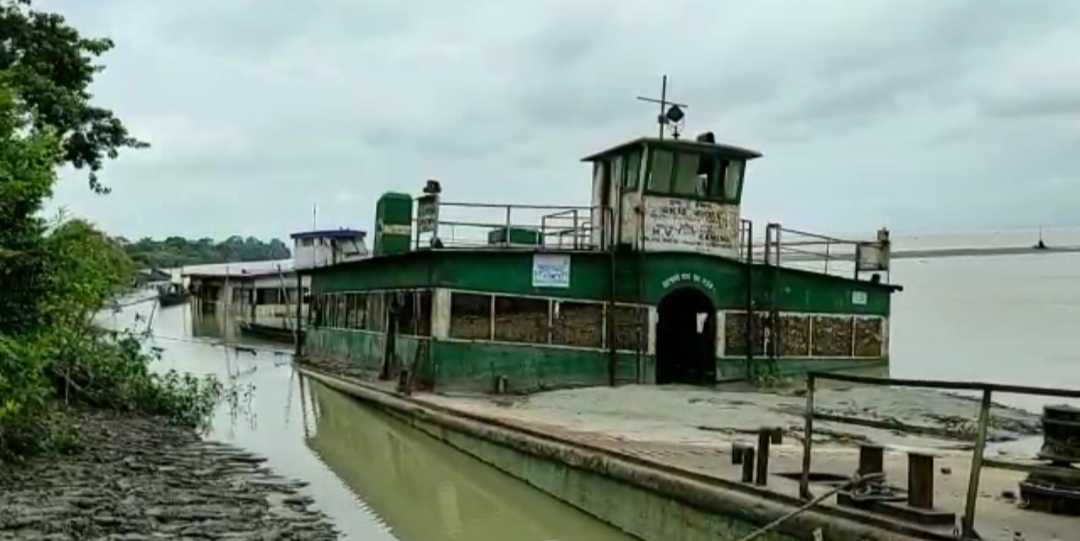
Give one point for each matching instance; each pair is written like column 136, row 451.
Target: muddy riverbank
column 138, row 479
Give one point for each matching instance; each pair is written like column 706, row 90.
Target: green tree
column 54, row 277
column 179, row 252
column 26, row 179
column 50, row 68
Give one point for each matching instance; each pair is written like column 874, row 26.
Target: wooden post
column 748, row 465
column 763, row 445
column 967, row 523
column 921, row 481
column 808, row 433
column 871, row 459
column 299, row 313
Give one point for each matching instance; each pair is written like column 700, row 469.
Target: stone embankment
column 137, row 479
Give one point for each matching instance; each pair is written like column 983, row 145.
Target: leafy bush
column 54, row 277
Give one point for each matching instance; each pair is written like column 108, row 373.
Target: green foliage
column 55, row 277
column 112, row 370
column 179, row 252
column 50, row 67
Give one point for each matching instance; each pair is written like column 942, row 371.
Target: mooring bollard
column 871, row 459
column 766, row 437
column 921, row 480
column 748, row 465
column 405, row 382
column 738, row 452
column 500, row 385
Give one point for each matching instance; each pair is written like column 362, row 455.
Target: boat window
column 328, row 309
column 519, row 319
column 357, row 310
column 341, row 321
column 733, row 178
column 413, row 314
column 686, row 180
column 315, row 310
column 617, row 167
column 577, row 324
column 376, row 316
column 631, row 171
column 424, row 301
column 660, row 170
column 470, row 316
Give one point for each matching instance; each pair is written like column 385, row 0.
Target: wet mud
column 139, row 479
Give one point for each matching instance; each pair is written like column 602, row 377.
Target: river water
column 376, row 478
column 1002, row 319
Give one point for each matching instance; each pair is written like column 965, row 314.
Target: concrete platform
column 689, row 431
column 692, row 429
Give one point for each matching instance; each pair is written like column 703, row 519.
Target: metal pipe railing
column 978, row 461
column 566, row 227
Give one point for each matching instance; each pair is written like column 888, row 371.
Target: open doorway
column 686, row 338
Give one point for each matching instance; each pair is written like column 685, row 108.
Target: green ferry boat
column 659, row 281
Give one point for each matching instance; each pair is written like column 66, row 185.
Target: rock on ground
column 138, row 479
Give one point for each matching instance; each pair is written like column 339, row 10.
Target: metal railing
column 978, row 461
column 815, row 252
column 474, row 225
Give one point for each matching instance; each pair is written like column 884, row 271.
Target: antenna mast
column 671, row 113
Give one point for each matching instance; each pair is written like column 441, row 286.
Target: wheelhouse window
column 685, row 180
column 631, row 170
column 661, row 168
column 690, row 174
column 733, row 178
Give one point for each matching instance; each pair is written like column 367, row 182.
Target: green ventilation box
column 393, row 224
column 514, row 235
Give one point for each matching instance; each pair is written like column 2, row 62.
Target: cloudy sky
column 918, row 114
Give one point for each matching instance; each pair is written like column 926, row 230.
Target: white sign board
column 858, row 297
column 689, row 224
column 427, row 214
column 551, row 270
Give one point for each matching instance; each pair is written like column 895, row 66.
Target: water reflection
column 426, row 491
column 377, row 479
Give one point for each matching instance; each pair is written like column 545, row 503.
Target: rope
column 283, row 350
column 772, row 525
column 119, row 304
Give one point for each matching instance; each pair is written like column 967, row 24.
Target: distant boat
column 1040, row 245
column 271, row 333
column 172, row 294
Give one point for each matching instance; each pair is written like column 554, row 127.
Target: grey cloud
column 1038, row 104
column 916, row 113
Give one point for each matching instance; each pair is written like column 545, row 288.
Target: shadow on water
column 426, row 491
column 377, row 479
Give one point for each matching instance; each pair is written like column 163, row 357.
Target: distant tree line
column 179, row 251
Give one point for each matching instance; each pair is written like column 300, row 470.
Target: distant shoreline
column 988, row 251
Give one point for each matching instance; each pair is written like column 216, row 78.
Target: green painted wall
column 406, row 271
column 810, row 292
column 457, row 365
column 365, row 349
column 735, row 368
column 473, row 366
column 462, row 366
column 510, row 272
